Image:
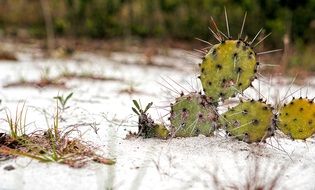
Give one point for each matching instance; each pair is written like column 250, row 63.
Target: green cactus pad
column 227, row 69
column 297, row 119
column 191, row 115
column 249, row 121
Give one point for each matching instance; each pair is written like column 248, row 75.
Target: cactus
column 250, row 121
column 297, row 119
column 191, row 115
column 227, row 69
column 147, row 128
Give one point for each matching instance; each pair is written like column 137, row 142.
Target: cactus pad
column 227, row 69
column 192, row 115
column 297, row 119
column 249, row 121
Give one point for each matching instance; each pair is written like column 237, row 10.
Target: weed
column 63, row 99
column 52, row 145
column 17, row 123
column 146, row 126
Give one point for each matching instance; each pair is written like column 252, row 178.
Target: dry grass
column 255, row 176
column 52, row 145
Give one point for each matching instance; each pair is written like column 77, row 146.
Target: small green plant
column 147, row 128
column 63, row 99
column 17, row 123
column 52, row 145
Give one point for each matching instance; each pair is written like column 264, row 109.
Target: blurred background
column 115, row 24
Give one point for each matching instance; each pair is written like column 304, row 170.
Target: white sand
column 143, row 163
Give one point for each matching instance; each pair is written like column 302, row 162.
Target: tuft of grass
column 255, row 176
column 52, row 145
column 17, row 123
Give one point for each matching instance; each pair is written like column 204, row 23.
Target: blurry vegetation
column 162, row 19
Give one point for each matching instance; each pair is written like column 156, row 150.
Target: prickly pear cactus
column 191, row 115
column 297, row 119
column 147, row 128
column 160, row 131
column 227, row 69
column 249, row 121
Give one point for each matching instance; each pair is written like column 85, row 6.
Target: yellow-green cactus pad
column 160, row 131
column 249, row 121
column 191, row 115
column 297, row 119
column 228, row 69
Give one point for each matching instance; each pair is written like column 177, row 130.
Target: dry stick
column 227, row 22
column 244, row 19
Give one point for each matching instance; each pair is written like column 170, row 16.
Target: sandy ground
column 177, row 163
